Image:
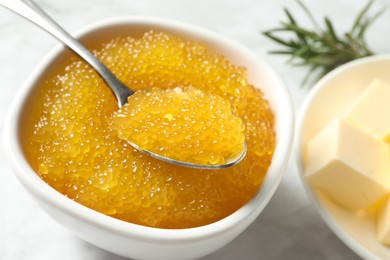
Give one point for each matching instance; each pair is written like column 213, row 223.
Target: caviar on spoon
column 225, row 158
column 184, row 124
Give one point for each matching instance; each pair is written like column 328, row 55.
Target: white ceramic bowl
column 128, row 239
column 330, row 97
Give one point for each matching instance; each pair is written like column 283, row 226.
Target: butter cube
column 383, row 225
column 371, row 108
column 348, row 165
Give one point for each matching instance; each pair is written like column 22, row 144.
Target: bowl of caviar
column 62, row 143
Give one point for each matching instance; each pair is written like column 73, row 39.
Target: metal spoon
column 29, row 10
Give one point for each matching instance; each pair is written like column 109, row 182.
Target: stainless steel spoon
column 29, row 10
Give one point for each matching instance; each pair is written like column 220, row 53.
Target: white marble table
column 289, row 227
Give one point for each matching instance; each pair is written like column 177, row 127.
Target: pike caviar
column 73, row 148
column 184, row 124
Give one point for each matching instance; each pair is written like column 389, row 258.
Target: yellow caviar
column 184, row 124
column 72, row 147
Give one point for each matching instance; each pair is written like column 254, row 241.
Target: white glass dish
column 329, row 98
column 133, row 240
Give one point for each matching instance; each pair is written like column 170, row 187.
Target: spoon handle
column 29, row 10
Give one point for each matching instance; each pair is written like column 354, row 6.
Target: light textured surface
column 288, row 228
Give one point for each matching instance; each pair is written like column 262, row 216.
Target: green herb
column 322, row 49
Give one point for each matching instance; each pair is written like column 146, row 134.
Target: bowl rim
column 41, row 189
column 326, row 216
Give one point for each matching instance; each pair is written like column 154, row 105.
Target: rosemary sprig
column 321, row 48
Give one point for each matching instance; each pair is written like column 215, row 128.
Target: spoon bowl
column 228, row 163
